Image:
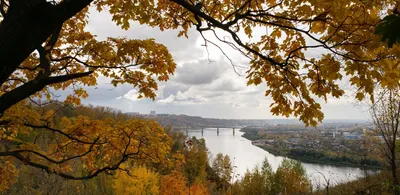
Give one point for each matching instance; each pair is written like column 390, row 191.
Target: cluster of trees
column 251, row 134
column 289, row 178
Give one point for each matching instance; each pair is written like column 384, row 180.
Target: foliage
column 199, row 189
column 138, row 180
column 293, row 178
column 290, row 178
column 174, row 184
column 222, row 166
column 72, row 154
column 196, row 160
column 8, row 173
column 99, row 144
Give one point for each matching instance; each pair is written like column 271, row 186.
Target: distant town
column 329, row 143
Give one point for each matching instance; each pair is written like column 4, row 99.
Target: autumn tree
column 292, row 178
column 385, row 112
column 252, row 183
column 199, row 189
column 196, row 161
column 174, row 184
column 138, row 180
column 289, row 178
column 222, row 165
column 260, row 180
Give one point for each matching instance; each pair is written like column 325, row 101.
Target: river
column 246, row 156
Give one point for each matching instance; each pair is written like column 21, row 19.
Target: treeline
column 289, row 179
column 322, row 157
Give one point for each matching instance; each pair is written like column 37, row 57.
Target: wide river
column 246, row 156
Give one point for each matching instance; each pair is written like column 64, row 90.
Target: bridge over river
column 216, row 128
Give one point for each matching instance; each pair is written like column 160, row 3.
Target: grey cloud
column 172, row 88
column 197, row 73
column 227, row 85
column 214, row 94
column 179, row 97
column 253, row 104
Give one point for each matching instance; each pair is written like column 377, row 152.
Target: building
column 153, row 113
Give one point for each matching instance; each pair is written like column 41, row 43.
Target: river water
column 246, row 156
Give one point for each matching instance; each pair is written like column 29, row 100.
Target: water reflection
column 246, row 156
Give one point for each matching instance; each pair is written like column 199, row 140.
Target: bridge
column 201, row 128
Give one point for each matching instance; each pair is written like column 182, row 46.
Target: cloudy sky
column 204, row 84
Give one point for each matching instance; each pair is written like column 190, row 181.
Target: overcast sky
column 199, row 87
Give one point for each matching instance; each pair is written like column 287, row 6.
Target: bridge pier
column 202, row 131
column 233, row 131
column 217, row 131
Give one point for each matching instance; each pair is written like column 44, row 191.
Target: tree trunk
column 394, row 172
column 28, row 24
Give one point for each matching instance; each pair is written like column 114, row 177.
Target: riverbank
column 306, row 159
column 310, row 155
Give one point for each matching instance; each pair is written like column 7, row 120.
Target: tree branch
column 124, row 157
column 69, row 136
column 59, row 161
column 33, row 86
